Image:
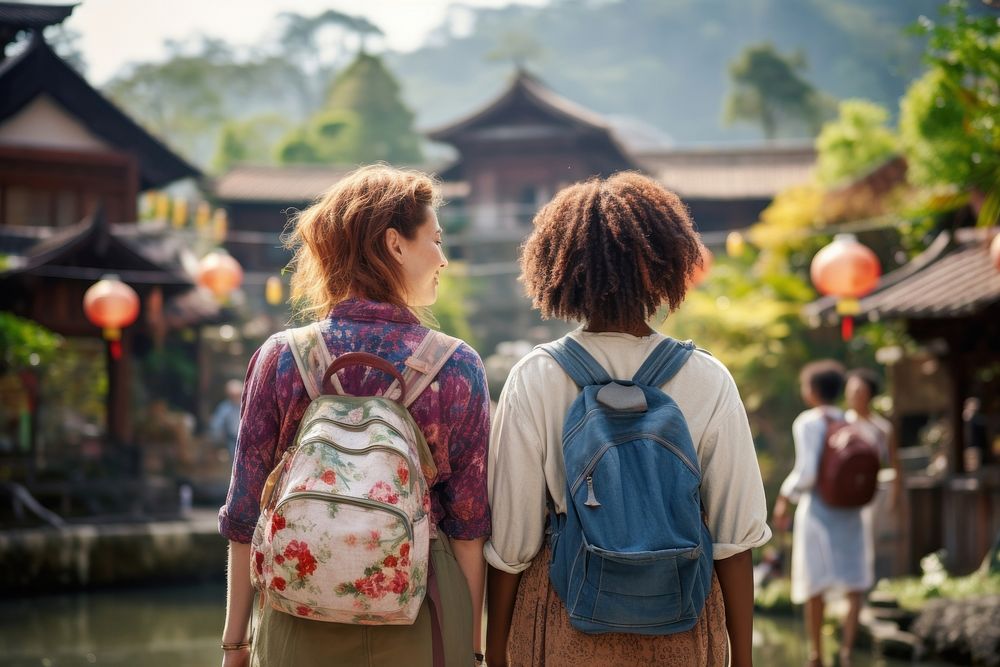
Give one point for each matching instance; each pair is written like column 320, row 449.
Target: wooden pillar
column 120, row 392
column 956, row 369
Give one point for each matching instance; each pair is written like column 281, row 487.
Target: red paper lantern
column 701, row 272
column 111, row 304
column 845, row 268
column 995, row 252
column 219, row 272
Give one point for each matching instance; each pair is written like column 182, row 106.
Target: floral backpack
column 344, row 528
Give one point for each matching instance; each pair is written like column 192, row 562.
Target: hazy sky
column 116, row 32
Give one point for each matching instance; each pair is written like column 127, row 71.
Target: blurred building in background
column 72, row 168
column 512, row 155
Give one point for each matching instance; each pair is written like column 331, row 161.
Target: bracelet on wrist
column 235, row 646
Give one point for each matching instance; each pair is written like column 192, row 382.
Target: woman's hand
column 781, row 516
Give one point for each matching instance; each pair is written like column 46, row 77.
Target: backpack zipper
column 587, row 473
column 364, row 450
column 351, row 500
column 291, row 451
column 362, row 426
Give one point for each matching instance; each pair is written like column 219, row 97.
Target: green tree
column 317, row 42
column 24, row 343
column 201, row 86
column 949, row 123
column 248, row 141
column 364, row 120
column 517, row 47
column 855, row 142
column 768, row 89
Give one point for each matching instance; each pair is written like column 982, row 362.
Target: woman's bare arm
column 239, row 605
column 469, row 554
column 501, row 592
column 736, row 581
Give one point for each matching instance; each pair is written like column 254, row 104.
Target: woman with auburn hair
column 609, row 254
column 367, row 260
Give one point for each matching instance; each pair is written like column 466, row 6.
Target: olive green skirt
column 283, row 640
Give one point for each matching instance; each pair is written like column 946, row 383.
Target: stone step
column 882, row 599
column 903, row 618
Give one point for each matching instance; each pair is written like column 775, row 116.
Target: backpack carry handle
column 361, row 359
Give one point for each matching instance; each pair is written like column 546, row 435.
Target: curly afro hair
column 610, row 251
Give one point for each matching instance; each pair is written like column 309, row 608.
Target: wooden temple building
column 72, row 166
column 513, row 155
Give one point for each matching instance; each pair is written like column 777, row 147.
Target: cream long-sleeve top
column 526, row 463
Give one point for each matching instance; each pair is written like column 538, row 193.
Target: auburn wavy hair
column 611, row 251
column 339, row 242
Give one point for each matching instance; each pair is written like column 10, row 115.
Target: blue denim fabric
column 632, row 554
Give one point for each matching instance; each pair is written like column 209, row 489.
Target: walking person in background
column 863, row 385
column 367, row 259
column 610, row 253
column 828, row 543
column 225, row 424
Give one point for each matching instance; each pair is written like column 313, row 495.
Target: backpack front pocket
column 636, row 589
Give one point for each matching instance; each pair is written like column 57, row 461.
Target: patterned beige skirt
column 283, row 640
column 541, row 636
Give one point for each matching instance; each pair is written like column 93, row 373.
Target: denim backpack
column 632, row 553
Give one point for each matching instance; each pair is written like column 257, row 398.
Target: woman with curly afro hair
column 610, row 254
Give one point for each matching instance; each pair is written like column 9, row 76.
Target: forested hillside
column 663, row 62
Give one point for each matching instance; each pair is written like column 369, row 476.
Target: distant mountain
column 662, row 62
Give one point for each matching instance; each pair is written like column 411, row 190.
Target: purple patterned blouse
column 454, row 420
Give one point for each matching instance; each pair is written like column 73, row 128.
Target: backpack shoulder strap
column 312, row 358
column 576, row 361
column 423, row 366
column 663, row 363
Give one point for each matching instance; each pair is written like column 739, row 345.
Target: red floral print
column 277, row 523
column 374, row 541
column 390, row 561
column 258, row 562
column 372, row 585
column 383, row 493
column 278, row 583
column 399, row 582
column 299, row 551
column 303, row 610
column 404, row 474
column 329, row 477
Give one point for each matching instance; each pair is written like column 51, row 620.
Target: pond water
column 182, row 625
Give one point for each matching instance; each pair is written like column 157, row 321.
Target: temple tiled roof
column 290, row 184
column 38, row 71
column 730, row 173
column 25, row 16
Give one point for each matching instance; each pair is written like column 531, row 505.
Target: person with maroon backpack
column 834, row 477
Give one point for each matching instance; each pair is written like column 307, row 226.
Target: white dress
column 878, row 429
column 828, row 544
